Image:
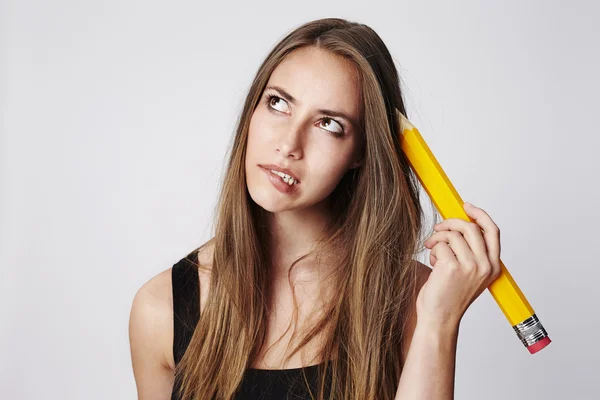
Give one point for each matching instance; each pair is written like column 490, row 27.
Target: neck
column 294, row 233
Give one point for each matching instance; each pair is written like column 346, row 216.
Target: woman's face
column 307, row 122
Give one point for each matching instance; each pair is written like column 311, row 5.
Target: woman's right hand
column 465, row 262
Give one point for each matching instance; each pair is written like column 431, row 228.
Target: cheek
column 255, row 140
column 327, row 171
column 259, row 133
column 330, row 156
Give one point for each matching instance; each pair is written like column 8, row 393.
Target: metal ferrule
column 530, row 331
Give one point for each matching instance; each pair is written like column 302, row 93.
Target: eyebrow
column 333, row 113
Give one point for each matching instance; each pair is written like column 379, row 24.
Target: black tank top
column 257, row 383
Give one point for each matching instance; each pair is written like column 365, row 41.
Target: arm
column 466, row 260
column 151, row 338
column 429, row 355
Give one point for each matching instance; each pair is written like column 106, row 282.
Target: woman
column 309, row 283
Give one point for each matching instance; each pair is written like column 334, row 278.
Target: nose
column 290, row 144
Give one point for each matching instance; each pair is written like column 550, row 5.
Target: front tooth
column 286, row 178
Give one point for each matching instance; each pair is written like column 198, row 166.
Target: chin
column 273, row 206
column 268, row 201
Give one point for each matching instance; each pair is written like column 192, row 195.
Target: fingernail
column 469, row 204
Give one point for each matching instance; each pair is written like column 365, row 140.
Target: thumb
column 432, row 260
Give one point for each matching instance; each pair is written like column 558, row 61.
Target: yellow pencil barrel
column 447, row 201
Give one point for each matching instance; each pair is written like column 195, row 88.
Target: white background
column 116, row 117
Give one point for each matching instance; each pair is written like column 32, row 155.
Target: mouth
column 285, row 174
column 283, row 185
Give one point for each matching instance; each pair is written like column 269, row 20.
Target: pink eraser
column 537, row 346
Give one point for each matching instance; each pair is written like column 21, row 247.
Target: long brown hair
column 376, row 225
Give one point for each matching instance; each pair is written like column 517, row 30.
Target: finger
column 491, row 232
column 432, row 259
column 458, row 245
column 442, row 252
column 472, row 234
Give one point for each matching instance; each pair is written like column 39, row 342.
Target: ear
column 356, row 164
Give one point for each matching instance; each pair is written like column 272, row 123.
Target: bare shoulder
column 151, row 337
column 421, row 273
column 151, row 328
column 152, row 306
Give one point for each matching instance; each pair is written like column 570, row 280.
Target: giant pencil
column 446, row 199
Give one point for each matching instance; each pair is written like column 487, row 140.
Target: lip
column 269, row 167
column 280, row 185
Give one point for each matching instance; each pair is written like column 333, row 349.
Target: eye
column 331, row 121
column 272, row 99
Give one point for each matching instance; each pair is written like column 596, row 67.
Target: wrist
column 439, row 326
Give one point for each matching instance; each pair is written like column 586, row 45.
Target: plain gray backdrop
column 116, row 117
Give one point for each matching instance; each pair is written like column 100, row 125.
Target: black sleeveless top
column 257, row 383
